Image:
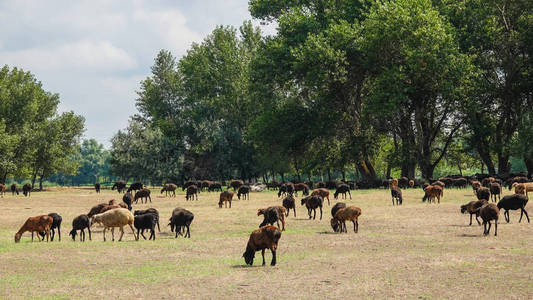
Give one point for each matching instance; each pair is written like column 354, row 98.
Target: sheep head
column 73, row 234
column 17, row 237
column 249, row 255
column 463, row 208
column 334, row 224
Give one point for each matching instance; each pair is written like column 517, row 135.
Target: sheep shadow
column 249, row 267
column 327, row 232
column 468, row 235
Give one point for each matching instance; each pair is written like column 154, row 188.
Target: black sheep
column 214, row 187
column 489, row 212
column 119, row 185
column 514, row 202
column 396, row 194
column 289, row 203
column 191, row 191
column 97, row 188
column 342, row 189
column 26, row 189
column 245, row 191
column 80, row 223
column 56, row 223
column 128, row 199
column 483, row 193
column 334, row 210
column 495, row 191
column 136, row 186
column 181, row 217
column 312, row 203
column 14, row 189
column 149, row 211
column 145, row 221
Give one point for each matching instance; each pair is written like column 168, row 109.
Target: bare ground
column 417, row 250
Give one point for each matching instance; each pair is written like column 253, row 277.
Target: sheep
column 215, row 186
column 403, row 182
column 311, row 203
column 460, row 182
column 487, row 181
column 439, row 183
column 342, row 189
column 97, row 187
column 518, row 179
column 334, row 210
column 425, row 185
column 204, row 185
column 145, row 221
column 321, row 185
column 273, row 185
column 528, row 187
column 2, row 190
column 142, row 194
column 489, row 212
column 128, row 199
column 80, row 223
column 514, row 202
column 14, row 189
column 282, row 190
column 245, row 191
column 136, row 186
column 473, row 207
column 483, row 193
column 266, row 237
column 349, row 213
column 495, row 191
column 394, row 182
column 149, row 211
column 181, row 218
column 169, row 187
column 411, row 183
column 396, row 194
column 272, row 214
column 225, row 197
column 119, row 185
column 322, row 192
column 235, row 184
column 432, row 192
column 96, row 209
column 188, row 184
column 26, row 189
column 289, row 203
column 475, row 185
column 36, row 224
column 519, row 188
column 191, row 191
column 301, row 187
column 56, row 223
column 119, row 217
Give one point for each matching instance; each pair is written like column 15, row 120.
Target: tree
column 93, row 159
column 419, row 77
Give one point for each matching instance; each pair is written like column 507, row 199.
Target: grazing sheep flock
column 112, row 214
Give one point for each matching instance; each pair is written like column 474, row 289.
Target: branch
column 448, row 142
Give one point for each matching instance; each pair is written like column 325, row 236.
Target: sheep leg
column 113, row 233
column 470, row 220
column 484, row 228
column 142, row 233
column 47, row 235
column 506, row 215
column 82, row 236
column 88, row 229
column 309, row 213
column 273, row 263
column 524, row 212
column 150, row 198
column 132, row 230
column 104, row 233
column 488, row 230
column 152, row 233
column 495, row 227
column 263, row 254
column 328, row 199
column 356, row 225
column 32, row 236
column 122, row 233
column 294, row 210
column 320, row 212
column 137, row 236
column 314, row 213
column 59, row 232
column 158, row 228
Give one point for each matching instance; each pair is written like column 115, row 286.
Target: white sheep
column 118, row 217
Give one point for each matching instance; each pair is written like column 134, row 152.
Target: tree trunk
column 486, row 160
column 366, row 169
column 282, row 176
column 529, row 165
column 503, row 164
column 41, row 183
column 33, row 179
column 329, row 174
column 343, row 172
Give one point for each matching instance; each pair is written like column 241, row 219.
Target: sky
column 95, row 53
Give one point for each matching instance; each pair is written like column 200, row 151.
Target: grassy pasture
column 413, row 251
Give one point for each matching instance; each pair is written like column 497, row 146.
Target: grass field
column 413, row 251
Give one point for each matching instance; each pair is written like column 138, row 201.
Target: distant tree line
column 366, row 87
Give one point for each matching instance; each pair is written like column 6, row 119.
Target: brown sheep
column 142, row 194
column 432, row 192
column 266, row 237
column 96, row 209
column 483, row 193
column 489, row 212
column 273, row 214
column 495, row 191
column 487, row 181
column 301, row 187
column 528, row 187
column 349, row 213
column 192, row 190
column 97, row 187
column 322, row 192
column 519, row 188
column 14, row 189
column 473, row 207
column 312, row 203
column 36, row 224
column 411, row 183
column 169, row 188
column 225, row 197
column 2, row 190
column 475, row 185
column 290, row 203
column 439, row 183
column 394, row 182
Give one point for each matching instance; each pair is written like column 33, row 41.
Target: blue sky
column 95, row 53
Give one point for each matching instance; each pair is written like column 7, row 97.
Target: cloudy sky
column 94, row 53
